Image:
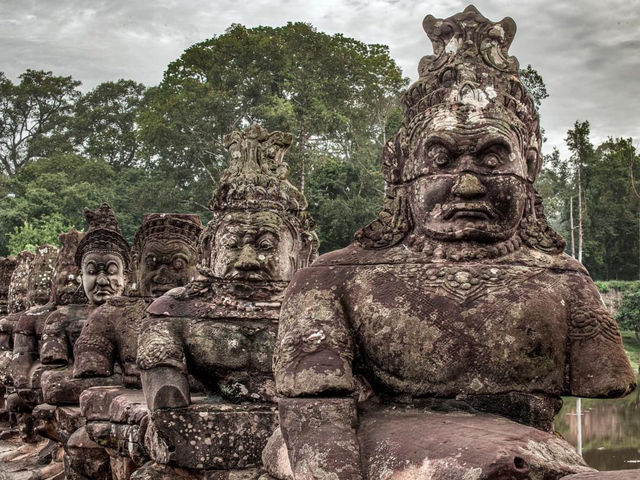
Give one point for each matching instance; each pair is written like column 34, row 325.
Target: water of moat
column 610, row 431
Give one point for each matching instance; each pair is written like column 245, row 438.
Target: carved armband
column 588, row 321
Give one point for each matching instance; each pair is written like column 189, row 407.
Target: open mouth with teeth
column 469, row 210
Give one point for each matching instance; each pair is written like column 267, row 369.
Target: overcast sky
column 587, row 51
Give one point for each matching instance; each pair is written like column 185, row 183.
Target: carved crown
column 471, row 74
column 66, row 263
column 103, row 234
column 256, row 177
column 168, row 226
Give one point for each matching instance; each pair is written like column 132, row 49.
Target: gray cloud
column 588, row 52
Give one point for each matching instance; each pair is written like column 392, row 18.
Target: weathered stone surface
column 45, row 421
column 100, row 433
column 210, row 436
column 85, row 459
column 68, row 420
column 459, row 446
column 104, row 256
column 459, row 290
column 60, row 332
column 28, row 329
column 418, row 443
column 222, row 329
column 7, row 266
column 129, row 407
column 154, row 471
column 95, row 402
column 109, row 336
column 616, row 475
column 163, row 257
column 60, row 388
column 122, row 467
column 19, row 285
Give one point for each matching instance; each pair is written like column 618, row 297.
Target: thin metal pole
column 579, row 415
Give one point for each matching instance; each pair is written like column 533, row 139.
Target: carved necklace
column 462, row 251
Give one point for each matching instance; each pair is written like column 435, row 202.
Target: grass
column 632, row 347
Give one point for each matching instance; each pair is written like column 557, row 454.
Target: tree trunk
column 303, row 138
column 579, row 215
column 573, row 234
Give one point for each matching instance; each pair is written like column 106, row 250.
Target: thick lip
column 248, row 275
column 479, row 210
column 103, row 291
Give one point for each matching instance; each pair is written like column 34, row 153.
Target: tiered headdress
column 256, row 180
column 103, row 235
column 167, row 226
column 66, row 263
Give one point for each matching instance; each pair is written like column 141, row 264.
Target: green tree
column 611, row 219
column 532, row 80
column 31, row 114
column 335, row 94
column 104, row 123
column 29, row 235
column 582, row 153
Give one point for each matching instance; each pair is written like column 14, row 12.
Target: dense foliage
column 161, row 149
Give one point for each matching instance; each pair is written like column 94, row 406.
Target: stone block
column 59, row 387
column 211, row 436
column 100, row 433
column 95, row 402
column 68, row 420
column 44, row 417
column 129, row 407
column 85, row 459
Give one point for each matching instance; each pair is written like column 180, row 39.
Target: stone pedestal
column 211, row 436
column 421, row 443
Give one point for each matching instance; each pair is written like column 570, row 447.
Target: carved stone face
column 65, row 283
column 473, row 185
column 254, row 246
column 40, row 291
column 102, row 276
column 165, row 265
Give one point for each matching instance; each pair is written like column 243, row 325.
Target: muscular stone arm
column 25, row 351
column 55, row 346
column 162, row 363
column 598, row 364
column 312, row 366
column 94, row 350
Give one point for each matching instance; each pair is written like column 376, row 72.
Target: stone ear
column 532, row 159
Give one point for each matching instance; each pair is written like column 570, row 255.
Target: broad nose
column 468, row 186
column 248, row 260
column 102, row 279
column 161, row 277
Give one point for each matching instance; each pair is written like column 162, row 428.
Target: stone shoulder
column 354, row 255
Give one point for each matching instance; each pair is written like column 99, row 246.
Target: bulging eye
column 266, row 243
column 112, row 269
column 91, row 269
column 179, row 263
column 439, row 154
column 491, row 160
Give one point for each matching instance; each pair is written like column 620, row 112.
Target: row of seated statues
column 436, row 346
